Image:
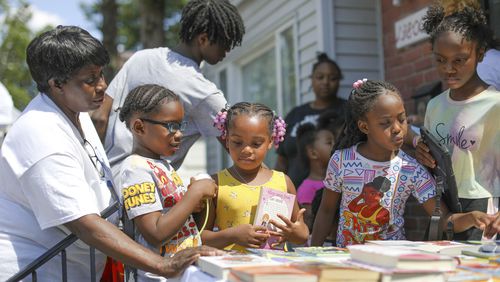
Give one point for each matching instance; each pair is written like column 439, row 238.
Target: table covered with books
column 373, row 261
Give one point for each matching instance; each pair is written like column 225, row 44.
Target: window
column 270, row 77
column 259, row 80
column 288, row 75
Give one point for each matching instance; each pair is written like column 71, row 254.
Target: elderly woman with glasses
column 54, row 174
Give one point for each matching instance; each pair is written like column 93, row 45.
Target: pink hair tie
column 279, row 131
column 357, row 84
column 220, row 122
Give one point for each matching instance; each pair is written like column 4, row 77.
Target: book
column 444, row 247
column 337, row 271
column 481, row 254
column 277, row 255
column 321, row 251
column 413, row 277
column 400, row 258
column 273, row 202
column 219, row 266
column 401, row 275
column 461, row 275
column 451, row 248
column 484, row 268
column 345, row 271
column 280, row 273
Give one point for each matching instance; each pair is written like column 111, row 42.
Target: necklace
column 241, row 178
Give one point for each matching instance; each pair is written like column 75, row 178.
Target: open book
column 271, row 203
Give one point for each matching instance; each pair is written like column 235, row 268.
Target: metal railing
column 61, row 248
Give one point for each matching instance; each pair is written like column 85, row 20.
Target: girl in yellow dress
column 249, row 130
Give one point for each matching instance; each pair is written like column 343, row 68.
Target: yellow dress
column 237, row 202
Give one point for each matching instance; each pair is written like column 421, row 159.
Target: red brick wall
column 408, row 69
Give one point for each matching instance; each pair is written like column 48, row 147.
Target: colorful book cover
column 271, row 203
column 484, row 268
column 277, row 255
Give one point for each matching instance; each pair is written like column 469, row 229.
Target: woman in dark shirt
column 325, row 81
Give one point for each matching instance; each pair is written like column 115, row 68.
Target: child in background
column 314, row 148
column 249, row 130
column 372, row 178
column 153, row 196
column 465, row 118
column 314, row 145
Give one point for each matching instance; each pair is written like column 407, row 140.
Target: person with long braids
column 372, row 177
column 325, row 81
column 209, row 29
column 465, row 117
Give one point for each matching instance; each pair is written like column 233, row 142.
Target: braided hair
column 218, row 18
column 250, row 109
column 276, row 124
column 466, row 20
column 145, row 99
column 323, row 58
column 360, row 102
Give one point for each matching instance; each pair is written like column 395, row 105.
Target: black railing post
column 92, row 265
column 59, row 247
column 64, row 266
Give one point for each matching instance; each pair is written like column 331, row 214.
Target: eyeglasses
column 172, row 126
column 103, row 170
column 98, row 164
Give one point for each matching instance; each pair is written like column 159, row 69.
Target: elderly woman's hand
column 176, row 264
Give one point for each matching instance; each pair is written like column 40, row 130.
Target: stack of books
column 283, row 273
column 402, row 264
column 380, row 261
column 451, row 248
column 219, row 266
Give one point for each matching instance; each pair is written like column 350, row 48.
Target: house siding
column 353, row 41
column 262, row 18
column 357, row 46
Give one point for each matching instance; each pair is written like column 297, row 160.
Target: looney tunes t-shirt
column 374, row 194
column 149, row 185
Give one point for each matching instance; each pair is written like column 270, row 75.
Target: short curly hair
column 60, row 52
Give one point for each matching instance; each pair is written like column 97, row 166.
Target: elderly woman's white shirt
column 46, row 180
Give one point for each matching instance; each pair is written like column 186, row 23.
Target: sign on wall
column 409, row 29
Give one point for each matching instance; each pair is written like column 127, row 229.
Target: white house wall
column 356, row 44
